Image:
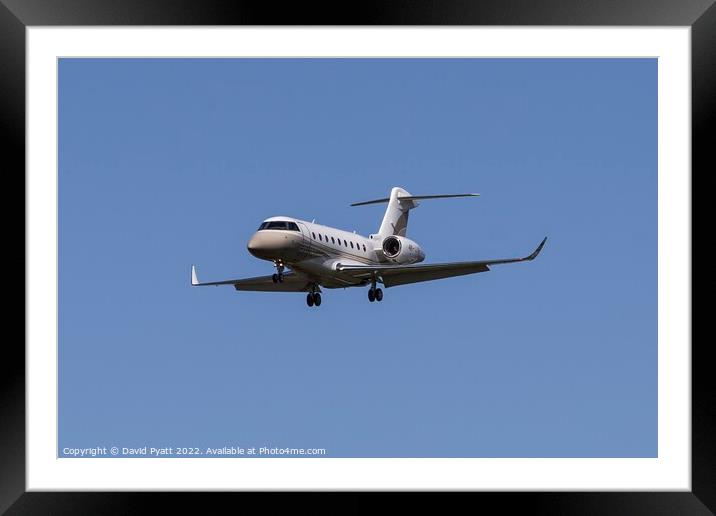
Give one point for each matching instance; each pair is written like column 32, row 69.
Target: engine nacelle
column 398, row 249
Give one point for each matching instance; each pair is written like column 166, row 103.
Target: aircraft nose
column 263, row 244
column 256, row 243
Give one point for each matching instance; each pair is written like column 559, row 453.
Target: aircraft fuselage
column 317, row 250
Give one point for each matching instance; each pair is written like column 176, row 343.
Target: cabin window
column 363, row 247
column 314, row 235
column 339, row 241
column 319, row 237
column 333, row 240
column 345, row 242
column 351, row 245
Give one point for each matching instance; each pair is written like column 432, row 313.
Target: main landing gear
column 375, row 294
column 278, row 277
column 313, row 298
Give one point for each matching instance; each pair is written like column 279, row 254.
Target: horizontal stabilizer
column 405, row 198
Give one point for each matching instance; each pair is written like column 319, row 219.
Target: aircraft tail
column 400, row 202
column 395, row 220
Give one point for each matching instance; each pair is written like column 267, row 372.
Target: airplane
column 322, row 256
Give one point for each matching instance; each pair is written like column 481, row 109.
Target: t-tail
column 400, row 202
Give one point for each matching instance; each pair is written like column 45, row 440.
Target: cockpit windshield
column 279, row 224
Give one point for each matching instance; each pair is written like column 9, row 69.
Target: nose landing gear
column 278, row 277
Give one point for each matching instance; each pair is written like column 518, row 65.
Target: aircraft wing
column 292, row 282
column 393, row 275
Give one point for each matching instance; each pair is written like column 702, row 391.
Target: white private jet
column 322, row 256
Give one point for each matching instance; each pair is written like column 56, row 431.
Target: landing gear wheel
column 317, row 299
column 309, row 299
column 371, row 295
column 378, row 294
column 278, row 277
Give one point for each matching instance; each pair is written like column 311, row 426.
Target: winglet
column 537, row 251
column 194, row 280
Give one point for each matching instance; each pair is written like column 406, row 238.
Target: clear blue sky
column 165, row 163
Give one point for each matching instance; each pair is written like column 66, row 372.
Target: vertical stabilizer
column 395, row 220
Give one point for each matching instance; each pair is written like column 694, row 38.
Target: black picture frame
column 16, row 15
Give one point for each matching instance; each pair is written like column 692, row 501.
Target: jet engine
column 398, row 249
